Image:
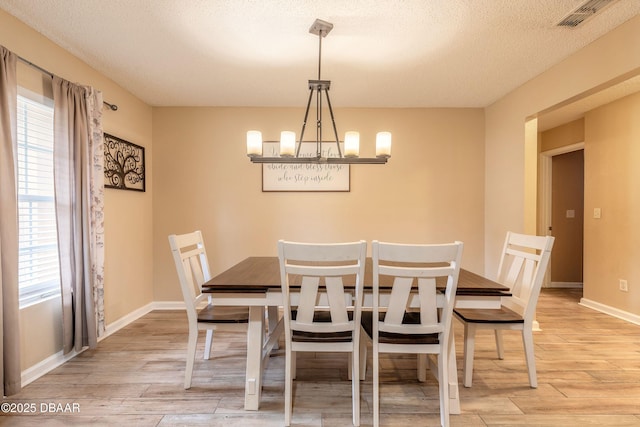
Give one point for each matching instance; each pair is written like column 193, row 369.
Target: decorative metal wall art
column 123, row 164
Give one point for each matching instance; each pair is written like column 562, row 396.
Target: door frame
column 545, row 161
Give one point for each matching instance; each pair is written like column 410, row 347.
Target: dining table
column 255, row 282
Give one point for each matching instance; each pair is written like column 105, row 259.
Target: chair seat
column 395, row 338
column 223, row 314
column 299, row 336
column 476, row 315
column 321, row 316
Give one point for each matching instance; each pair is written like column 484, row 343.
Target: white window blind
column 39, row 271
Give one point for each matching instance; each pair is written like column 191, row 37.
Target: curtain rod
column 113, row 107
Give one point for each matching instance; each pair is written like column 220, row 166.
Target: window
column 39, row 271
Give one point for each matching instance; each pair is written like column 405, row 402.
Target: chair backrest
column 192, row 267
column 522, row 268
column 414, row 270
column 320, row 270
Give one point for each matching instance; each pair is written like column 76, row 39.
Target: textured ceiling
column 380, row 53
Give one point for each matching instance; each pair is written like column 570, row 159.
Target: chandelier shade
column 290, row 146
column 351, row 144
column 254, row 143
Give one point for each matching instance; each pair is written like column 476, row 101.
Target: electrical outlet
column 624, row 287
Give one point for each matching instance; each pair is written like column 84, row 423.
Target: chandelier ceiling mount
column 290, row 148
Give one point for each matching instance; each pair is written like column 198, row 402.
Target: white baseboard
column 565, row 285
column 113, row 327
column 168, row 305
column 611, row 311
column 34, row 372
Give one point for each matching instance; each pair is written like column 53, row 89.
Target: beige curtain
column 78, row 189
column 9, row 309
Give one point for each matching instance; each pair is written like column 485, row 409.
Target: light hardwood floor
column 588, row 375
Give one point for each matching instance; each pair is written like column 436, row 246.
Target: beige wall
column 612, row 150
column 128, row 217
column 605, row 60
column 506, row 207
column 560, row 136
column 430, row 191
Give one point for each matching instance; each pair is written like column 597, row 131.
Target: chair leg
column 469, row 344
column 422, row 367
column 272, row 318
column 355, row 384
column 207, row 344
column 499, row 344
column 443, row 386
column 363, row 356
column 289, row 369
column 362, row 351
column 191, row 356
column 294, row 368
column 527, row 339
column 376, row 386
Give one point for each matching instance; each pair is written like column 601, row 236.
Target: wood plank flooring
column 588, row 375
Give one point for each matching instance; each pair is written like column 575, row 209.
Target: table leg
column 255, row 337
column 272, row 316
column 454, row 396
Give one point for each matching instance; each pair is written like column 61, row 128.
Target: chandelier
column 290, row 148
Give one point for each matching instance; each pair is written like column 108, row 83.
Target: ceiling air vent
column 584, row 12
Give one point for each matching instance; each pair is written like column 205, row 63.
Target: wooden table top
column 260, row 274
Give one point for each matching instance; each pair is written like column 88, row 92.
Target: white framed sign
column 304, row 176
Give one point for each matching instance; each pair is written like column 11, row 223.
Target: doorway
column 563, row 204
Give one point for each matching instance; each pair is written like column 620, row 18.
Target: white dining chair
column 321, row 314
column 522, row 268
column 410, row 315
column 192, row 267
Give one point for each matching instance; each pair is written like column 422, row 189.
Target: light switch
column 597, row 213
column 571, row 213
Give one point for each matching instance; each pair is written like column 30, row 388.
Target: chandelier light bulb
column 287, row 143
column 383, row 144
column 254, row 143
column 351, row 144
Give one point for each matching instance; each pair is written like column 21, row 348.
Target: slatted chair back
column 522, row 268
column 192, row 266
column 415, row 269
column 319, row 271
